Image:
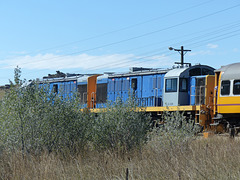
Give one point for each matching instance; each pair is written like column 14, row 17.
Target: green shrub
column 176, row 130
column 121, row 126
column 32, row 119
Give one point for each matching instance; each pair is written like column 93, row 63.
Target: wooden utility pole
column 181, row 51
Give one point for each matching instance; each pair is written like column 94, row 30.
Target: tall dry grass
column 213, row 158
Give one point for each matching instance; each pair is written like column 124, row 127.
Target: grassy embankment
column 213, row 158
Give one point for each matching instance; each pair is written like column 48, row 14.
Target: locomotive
column 211, row 96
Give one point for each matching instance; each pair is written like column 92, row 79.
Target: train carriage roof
column 196, row 70
column 140, row 73
column 231, row 71
column 176, row 72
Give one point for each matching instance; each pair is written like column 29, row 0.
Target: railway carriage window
column 102, row 93
column 225, row 87
column 82, row 89
column 207, row 71
column 55, row 88
column 236, row 87
column 134, row 84
column 195, row 72
column 183, row 85
column 171, row 85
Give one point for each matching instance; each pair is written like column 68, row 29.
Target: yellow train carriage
column 227, row 95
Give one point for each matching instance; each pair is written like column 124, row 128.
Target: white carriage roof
column 62, row 79
column 229, row 72
column 103, row 76
column 140, row 73
column 184, row 71
column 84, row 78
column 175, row 72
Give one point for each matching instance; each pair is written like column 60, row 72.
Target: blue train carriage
column 84, row 84
column 186, row 89
column 190, row 89
column 64, row 86
column 145, row 83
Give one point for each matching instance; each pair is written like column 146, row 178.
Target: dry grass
column 213, row 158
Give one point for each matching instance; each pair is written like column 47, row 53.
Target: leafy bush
column 176, row 130
column 121, row 126
column 32, row 118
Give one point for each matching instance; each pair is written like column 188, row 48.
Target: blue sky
column 80, row 36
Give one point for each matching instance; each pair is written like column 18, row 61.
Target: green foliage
column 121, row 126
column 17, row 79
column 33, row 119
column 176, row 130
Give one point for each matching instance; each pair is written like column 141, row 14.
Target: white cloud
column 212, row 46
column 84, row 62
column 235, row 50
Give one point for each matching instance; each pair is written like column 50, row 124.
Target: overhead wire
column 203, row 42
column 125, row 28
column 146, row 34
column 216, row 38
column 157, row 51
column 139, row 36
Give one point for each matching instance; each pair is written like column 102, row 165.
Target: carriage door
column 200, row 91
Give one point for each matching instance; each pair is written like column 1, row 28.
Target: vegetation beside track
column 213, row 158
column 44, row 136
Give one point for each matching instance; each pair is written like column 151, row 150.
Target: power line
column 189, row 40
column 143, row 35
column 157, row 51
column 170, row 26
column 217, row 38
column 168, row 53
column 128, row 27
